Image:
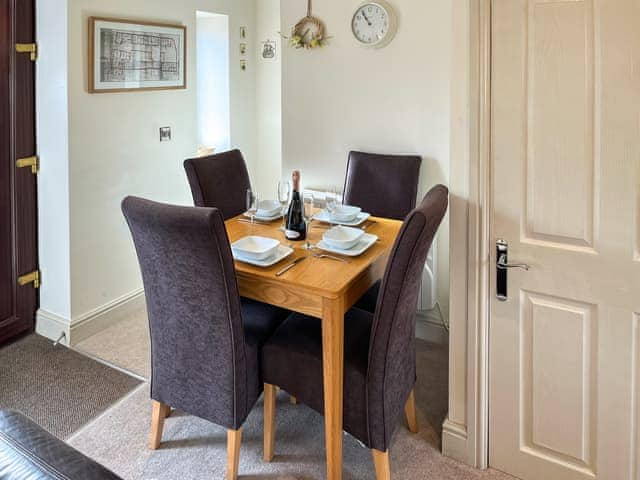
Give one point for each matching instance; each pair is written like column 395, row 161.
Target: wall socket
column 165, row 134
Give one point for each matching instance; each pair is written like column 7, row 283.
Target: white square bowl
column 256, row 248
column 343, row 238
column 345, row 213
column 269, row 208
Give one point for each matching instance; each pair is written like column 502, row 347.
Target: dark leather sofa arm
column 28, row 452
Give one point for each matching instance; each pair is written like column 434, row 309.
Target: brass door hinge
column 30, row 48
column 33, row 277
column 29, row 162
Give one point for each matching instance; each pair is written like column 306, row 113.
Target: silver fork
column 330, row 257
column 369, row 223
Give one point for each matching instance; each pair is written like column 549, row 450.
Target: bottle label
column 291, row 234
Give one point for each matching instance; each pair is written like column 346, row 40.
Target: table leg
column 333, row 371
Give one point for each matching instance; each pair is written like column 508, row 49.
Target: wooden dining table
column 323, row 288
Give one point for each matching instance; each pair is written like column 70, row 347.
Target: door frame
column 466, row 429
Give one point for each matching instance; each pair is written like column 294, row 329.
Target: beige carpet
column 125, row 344
column 196, row 449
column 57, row 387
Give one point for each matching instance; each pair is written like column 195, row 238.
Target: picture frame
column 129, row 55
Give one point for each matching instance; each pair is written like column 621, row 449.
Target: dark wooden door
column 18, row 194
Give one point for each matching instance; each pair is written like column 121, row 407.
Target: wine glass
column 308, row 202
column 331, row 201
column 284, row 195
column 252, row 205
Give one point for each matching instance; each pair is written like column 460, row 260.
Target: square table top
column 323, row 277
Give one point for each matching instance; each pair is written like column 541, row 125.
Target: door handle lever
column 503, row 265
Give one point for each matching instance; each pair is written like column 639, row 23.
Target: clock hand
column 366, row 18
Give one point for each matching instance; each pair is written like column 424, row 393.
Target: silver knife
column 290, row 266
column 255, row 221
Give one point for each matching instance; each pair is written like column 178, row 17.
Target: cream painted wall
column 52, row 122
column 106, row 146
column 393, row 100
column 115, row 150
column 269, row 101
column 100, row 148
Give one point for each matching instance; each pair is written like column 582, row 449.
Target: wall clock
column 374, row 24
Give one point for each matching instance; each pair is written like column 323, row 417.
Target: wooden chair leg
column 293, row 400
column 158, row 414
column 269, row 421
column 381, row 462
column 411, row 414
column 168, row 413
column 234, row 439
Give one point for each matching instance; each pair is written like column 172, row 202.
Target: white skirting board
column 455, row 442
column 430, row 326
column 54, row 326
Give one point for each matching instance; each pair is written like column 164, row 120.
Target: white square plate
column 365, row 243
column 323, row 216
column 264, row 219
column 282, row 253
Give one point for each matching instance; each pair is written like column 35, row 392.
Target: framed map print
column 126, row 55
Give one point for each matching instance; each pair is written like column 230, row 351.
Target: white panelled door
column 564, row 372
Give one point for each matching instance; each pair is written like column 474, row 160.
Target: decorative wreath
column 308, row 33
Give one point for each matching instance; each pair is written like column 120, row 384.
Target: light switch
column 165, row 134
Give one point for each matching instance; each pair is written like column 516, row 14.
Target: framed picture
column 128, row 55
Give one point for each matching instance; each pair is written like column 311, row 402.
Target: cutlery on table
column 255, row 221
column 330, row 257
column 290, row 266
column 369, row 223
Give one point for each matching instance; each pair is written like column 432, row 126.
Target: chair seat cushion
column 28, row 452
column 292, row 360
column 260, row 321
column 369, row 300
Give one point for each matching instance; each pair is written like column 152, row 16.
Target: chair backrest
column 383, row 185
column 392, row 366
column 219, row 181
column 198, row 353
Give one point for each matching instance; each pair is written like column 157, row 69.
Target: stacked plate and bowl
column 260, row 251
column 344, row 239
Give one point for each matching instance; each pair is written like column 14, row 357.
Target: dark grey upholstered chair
column 379, row 349
column 205, row 340
column 219, row 181
column 385, row 186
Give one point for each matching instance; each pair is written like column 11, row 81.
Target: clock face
column 372, row 24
